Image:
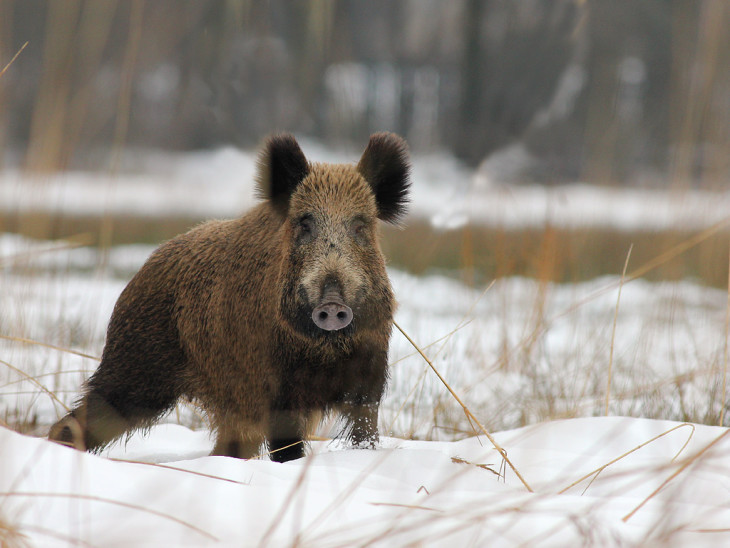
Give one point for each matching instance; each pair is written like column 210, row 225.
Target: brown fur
column 223, row 313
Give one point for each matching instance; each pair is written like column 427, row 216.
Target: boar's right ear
column 281, row 167
column 385, row 165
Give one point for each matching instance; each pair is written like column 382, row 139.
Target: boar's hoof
column 332, row 316
column 68, row 431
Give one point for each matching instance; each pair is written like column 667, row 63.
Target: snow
column 529, row 359
column 509, row 364
column 405, row 492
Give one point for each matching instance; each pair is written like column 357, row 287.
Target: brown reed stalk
column 613, row 331
column 109, row 501
column 6, row 67
column 679, row 470
column 627, row 453
column 723, row 399
column 467, row 412
column 51, row 346
column 36, row 382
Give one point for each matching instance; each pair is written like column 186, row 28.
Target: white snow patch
column 425, row 493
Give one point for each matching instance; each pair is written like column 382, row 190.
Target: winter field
column 604, row 399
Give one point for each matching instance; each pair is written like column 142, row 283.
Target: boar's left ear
column 281, row 167
column 385, row 165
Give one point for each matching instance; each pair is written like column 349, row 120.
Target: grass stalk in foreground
column 724, row 358
column 613, row 331
column 601, row 468
column 51, row 346
column 6, row 67
column 681, row 469
column 20, row 494
column 468, row 413
column 35, row 381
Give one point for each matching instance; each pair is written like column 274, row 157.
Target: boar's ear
column 385, row 165
column 281, row 167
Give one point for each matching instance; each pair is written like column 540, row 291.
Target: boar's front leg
column 362, row 402
column 362, row 423
column 286, row 441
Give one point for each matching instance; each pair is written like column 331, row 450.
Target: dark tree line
column 594, row 90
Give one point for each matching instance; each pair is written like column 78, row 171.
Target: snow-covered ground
column 517, row 353
column 594, row 483
column 534, row 362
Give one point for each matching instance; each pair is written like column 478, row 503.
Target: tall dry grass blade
column 659, row 260
column 66, row 540
column 613, row 331
column 339, row 500
column 36, row 382
column 183, row 470
column 407, row 506
column 445, row 339
column 679, row 470
column 10, row 535
column 288, row 501
column 269, row 453
column 678, row 249
column 72, row 242
column 627, row 453
column 6, row 67
column 467, row 412
column 51, row 374
column 723, row 401
column 111, row 501
column 124, row 101
column 51, row 346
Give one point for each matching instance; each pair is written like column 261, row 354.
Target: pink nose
column 332, row 316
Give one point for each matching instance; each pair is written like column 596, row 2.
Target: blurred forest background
column 619, row 91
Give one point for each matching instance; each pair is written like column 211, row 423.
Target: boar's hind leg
column 286, row 441
column 117, row 400
column 240, row 439
column 237, row 447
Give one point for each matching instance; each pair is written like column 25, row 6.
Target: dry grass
column 546, row 396
column 542, row 399
column 549, row 393
column 11, row 537
column 479, row 254
column 474, row 254
column 469, row 415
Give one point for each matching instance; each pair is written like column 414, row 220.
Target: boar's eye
column 306, row 229
column 359, row 228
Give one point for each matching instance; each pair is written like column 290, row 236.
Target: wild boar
column 267, row 321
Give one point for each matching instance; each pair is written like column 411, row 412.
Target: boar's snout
column 332, row 313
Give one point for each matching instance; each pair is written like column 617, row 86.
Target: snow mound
column 407, row 492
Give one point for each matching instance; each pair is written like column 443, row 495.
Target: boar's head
column 332, row 276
